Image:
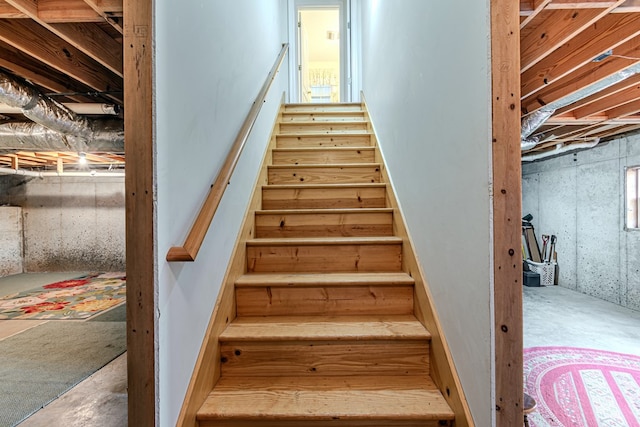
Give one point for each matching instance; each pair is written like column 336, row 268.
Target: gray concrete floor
column 98, row 401
column 557, row 316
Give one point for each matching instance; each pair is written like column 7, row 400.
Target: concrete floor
column 98, row 401
column 557, row 316
column 552, row 316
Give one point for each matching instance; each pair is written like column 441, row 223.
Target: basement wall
column 580, row 198
column 70, row 224
column 427, row 85
column 10, row 240
column 212, row 58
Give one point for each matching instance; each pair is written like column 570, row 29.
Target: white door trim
column 346, row 47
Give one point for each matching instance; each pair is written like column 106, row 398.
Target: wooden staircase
column 325, row 333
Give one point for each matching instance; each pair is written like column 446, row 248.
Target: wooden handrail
column 189, row 250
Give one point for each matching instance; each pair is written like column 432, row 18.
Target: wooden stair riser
column 324, row 258
column 346, row 174
column 320, row 155
column 327, row 116
column 325, row 358
column 288, row 128
column 318, row 224
column 322, row 108
column 338, row 197
column 327, row 300
column 338, row 140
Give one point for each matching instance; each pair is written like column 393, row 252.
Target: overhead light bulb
column 82, row 159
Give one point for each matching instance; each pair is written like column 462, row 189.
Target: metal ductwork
column 560, row 149
column 33, row 136
column 56, row 126
column 533, row 121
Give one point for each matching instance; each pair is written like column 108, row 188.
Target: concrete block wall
column 580, row 198
column 70, row 224
column 10, row 240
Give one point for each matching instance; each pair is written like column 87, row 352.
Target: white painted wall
column 580, row 198
column 426, row 78
column 10, row 240
column 212, row 57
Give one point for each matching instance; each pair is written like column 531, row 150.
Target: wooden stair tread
column 338, row 132
column 326, row 185
column 325, row 122
column 326, row 279
column 322, row 148
column 324, row 165
column 349, row 398
column 325, row 328
column 325, row 241
column 323, row 211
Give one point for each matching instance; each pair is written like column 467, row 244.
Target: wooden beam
column 507, row 201
column 624, row 110
column 557, row 30
column 111, row 6
column 608, row 103
column 39, row 43
column 10, row 12
column 87, row 38
column 611, row 90
column 609, row 117
column 27, row 67
column 590, row 73
column 538, row 7
column 61, row 11
column 582, row 4
column 15, row 164
column 109, row 11
column 627, row 7
column 139, row 200
column 610, row 32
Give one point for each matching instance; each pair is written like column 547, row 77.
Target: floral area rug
column 77, row 298
column 576, row 387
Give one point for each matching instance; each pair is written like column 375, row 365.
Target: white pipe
column 78, row 108
column 560, row 149
column 37, row 174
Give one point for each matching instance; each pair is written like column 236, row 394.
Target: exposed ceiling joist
column 36, row 41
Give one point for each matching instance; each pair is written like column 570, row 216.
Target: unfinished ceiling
column 579, row 64
column 70, row 51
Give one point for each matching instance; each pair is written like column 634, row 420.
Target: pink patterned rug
column 576, row 387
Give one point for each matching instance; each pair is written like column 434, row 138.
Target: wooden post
column 507, row 201
column 138, row 97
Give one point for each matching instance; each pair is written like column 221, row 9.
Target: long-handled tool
column 552, row 247
column 545, row 239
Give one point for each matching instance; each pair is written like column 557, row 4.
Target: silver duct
column 560, row 149
column 533, row 121
column 76, row 107
column 33, row 136
column 73, row 132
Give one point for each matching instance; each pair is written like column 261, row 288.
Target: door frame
column 346, row 48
